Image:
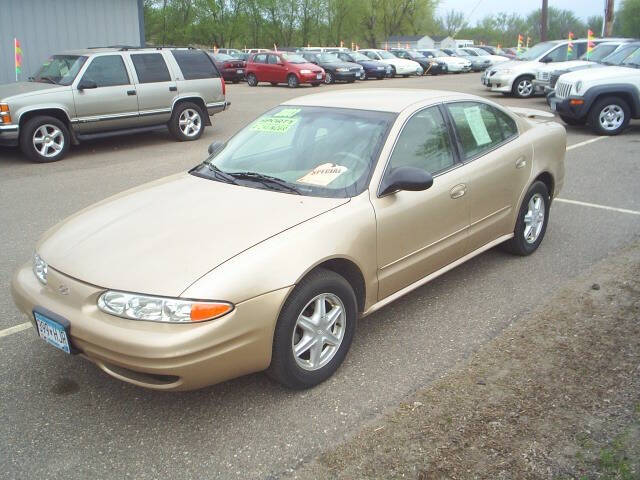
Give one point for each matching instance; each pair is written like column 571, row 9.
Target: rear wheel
column 252, row 80
column 292, row 81
column 609, row 116
column 329, row 78
column 187, row 122
column 523, row 87
column 314, row 330
column 532, row 221
column 44, row 139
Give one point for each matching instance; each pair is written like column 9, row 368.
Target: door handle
column 131, row 92
column 173, row 88
column 458, row 191
column 521, row 162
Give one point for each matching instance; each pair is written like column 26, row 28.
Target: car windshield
column 438, row 53
column 314, row 151
column 328, row 58
column 598, row 53
column 536, row 51
column 616, row 58
column 632, row 60
column 60, row 69
column 414, row 54
column 292, row 58
column 462, row 52
column 221, row 57
column 476, row 52
column 358, row 57
column 386, row 55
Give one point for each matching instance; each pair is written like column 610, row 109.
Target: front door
column 113, row 104
column 498, row 164
column 421, row 232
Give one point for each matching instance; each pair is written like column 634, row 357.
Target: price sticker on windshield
column 287, row 113
column 274, row 124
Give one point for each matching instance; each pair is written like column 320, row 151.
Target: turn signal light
column 207, row 311
column 576, row 101
column 5, row 116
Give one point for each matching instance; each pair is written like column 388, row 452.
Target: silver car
column 93, row 93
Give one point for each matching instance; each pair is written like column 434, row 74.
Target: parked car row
column 598, row 87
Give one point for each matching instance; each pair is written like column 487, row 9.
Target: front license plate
column 52, row 332
column 239, row 71
column 319, row 76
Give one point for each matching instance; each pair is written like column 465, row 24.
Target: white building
column 419, row 42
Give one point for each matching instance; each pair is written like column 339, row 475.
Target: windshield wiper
column 221, row 175
column 266, row 180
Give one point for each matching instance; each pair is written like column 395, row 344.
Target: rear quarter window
column 195, row 64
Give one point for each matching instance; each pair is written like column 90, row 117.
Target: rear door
column 113, row 104
column 421, row 232
column 155, row 87
column 276, row 68
column 259, row 68
column 498, row 163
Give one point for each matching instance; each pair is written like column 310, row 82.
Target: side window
column 477, row 126
column 262, row 58
column 371, row 55
column 273, row 59
column 424, row 143
column 150, row 67
column 107, row 71
column 580, row 48
column 507, row 124
column 195, row 64
column 559, row 54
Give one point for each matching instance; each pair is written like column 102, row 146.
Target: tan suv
column 100, row 92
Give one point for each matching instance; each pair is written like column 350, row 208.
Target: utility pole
column 544, row 21
column 607, row 25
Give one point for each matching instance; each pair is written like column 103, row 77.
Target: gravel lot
column 60, row 417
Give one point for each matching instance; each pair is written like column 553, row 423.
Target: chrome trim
column 216, row 104
column 99, row 118
column 9, row 128
column 144, row 113
column 400, row 293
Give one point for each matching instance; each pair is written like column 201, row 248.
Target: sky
column 582, row 9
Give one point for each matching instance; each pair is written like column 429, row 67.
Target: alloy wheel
column 190, row 122
column 319, row 331
column 534, row 218
column 611, row 117
column 525, row 87
column 48, row 140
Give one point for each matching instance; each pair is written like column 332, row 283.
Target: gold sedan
column 321, row 211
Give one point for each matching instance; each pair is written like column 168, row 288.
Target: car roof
column 377, row 99
column 123, row 48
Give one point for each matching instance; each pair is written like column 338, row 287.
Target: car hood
column 306, row 66
column 554, row 66
column 334, row 65
column 518, row 65
column 617, row 74
column 161, row 237
column 11, row 90
column 372, row 64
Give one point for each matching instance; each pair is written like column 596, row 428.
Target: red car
column 282, row 67
column 231, row 69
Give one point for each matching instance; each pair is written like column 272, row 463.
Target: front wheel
column 44, row 139
column 523, row 87
column 314, row 330
column 292, row 81
column 186, row 122
column 609, row 116
column 532, row 221
column 252, row 80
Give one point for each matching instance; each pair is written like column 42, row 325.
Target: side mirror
column 545, row 60
column 215, row 147
column 411, row 179
column 87, row 84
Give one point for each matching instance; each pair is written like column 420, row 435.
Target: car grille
column 544, row 76
column 563, row 89
column 355, row 69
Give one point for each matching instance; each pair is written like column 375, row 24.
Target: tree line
column 367, row 23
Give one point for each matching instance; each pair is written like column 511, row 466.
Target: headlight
column 578, row 86
column 40, row 268
column 341, row 69
column 160, row 309
column 305, row 71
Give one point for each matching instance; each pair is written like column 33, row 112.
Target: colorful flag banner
column 528, row 41
column 590, row 43
column 520, row 39
column 18, row 57
column 570, row 45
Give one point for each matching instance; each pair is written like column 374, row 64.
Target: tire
column 292, row 81
column 364, row 76
column 252, row 80
column 329, row 78
column 44, row 139
column 298, row 371
column 523, row 87
column 187, row 122
column 613, row 124
column 573, row 121
column 525, row 240
column 393, row 72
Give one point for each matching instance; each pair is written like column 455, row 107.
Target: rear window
column 150, row 67
column 195, row 64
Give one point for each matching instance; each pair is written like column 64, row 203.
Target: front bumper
column 217, row 107
column 498, row 82
column 150, row 354
column 572, row 107
column 375, row 73
column 541, row 86
column 311, row 78
column 346, row 76
column 9, row 135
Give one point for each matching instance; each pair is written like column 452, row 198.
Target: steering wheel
column 355, row 157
